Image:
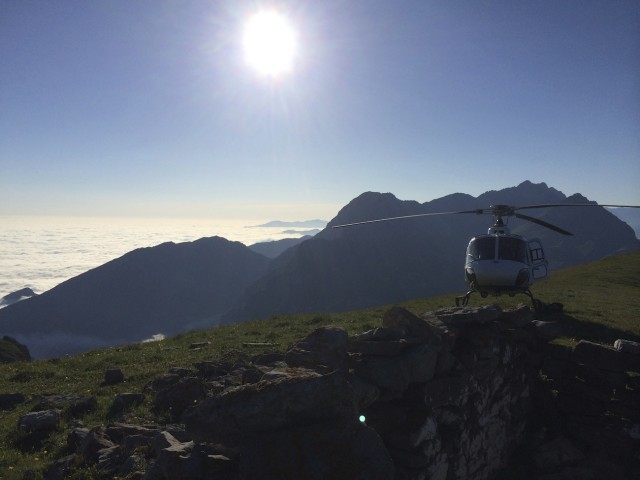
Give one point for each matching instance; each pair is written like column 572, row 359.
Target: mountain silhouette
column 172, row 288
column 389, row 262
column 168, row 288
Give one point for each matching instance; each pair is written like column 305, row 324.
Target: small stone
column 9, row 401
column 42, row 421
column 125, row 401
column 113, row 376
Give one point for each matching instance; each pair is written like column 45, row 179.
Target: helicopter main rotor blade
column 542, row 223
column 477, row 212
column 498, row 210
column 574, row 205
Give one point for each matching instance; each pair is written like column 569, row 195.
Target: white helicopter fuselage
column 501, row 262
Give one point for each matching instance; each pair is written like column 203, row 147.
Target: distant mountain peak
column 374, row 205
column 578, row 198
column 16, row 296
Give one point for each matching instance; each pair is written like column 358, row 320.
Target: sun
column 269, row 43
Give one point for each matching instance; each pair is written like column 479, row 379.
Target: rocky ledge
column 454, row 394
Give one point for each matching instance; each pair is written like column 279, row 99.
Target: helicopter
column 500, row 262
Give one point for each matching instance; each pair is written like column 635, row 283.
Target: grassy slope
column 602, row 303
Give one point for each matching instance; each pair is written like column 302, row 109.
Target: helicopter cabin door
column 539, row 270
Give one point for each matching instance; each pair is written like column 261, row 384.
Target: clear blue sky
column 147, row 107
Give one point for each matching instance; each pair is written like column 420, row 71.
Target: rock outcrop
column 13, row 351
column 472, row 394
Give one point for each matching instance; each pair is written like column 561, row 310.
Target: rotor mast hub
column 499, row 227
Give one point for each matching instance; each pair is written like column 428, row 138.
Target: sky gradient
column 147, row 108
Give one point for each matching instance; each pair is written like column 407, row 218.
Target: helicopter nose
column 523, row 277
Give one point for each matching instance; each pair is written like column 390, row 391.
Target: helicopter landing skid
column 464, row 299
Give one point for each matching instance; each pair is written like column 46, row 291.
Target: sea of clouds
column 42, row 252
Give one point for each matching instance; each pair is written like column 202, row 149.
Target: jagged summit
column 372, row 205
column 524, row 194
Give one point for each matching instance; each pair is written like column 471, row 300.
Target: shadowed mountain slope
column 167, row 288
column 275, row 248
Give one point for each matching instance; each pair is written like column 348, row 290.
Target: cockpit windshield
column 511, row 248
column 483, row 248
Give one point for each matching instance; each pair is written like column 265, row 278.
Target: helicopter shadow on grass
column 575, row 328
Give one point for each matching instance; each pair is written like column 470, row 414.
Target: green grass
column 601, row 303
column 601, row 299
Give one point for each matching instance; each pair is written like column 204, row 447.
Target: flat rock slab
column 237, row 413
column 76, row 404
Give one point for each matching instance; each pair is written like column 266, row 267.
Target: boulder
column 75, row 438
column 178, row 396
column 75, row 404
column 93, row 443
column 35, row 427
column 120, row 432
column 58, row 470
column 267, row 406
column 124, row 401
column 109, row 460
column 42, row 421
column 113, row 376
column 416, row 327
column 9, row 401
column 324, row 349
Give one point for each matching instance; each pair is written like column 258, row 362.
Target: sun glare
column 269, row 43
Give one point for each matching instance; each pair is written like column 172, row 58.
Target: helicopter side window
column 482, row 248
column 512, row 249
column 537, row 254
